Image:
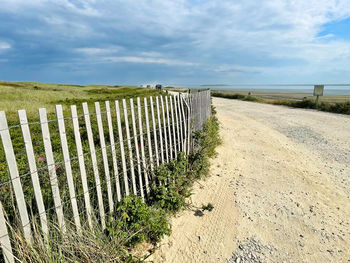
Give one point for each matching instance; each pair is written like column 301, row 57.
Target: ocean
column 328, row 90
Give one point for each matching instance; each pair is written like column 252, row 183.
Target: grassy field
column 330, row 103
column 273, row 96
column 32, row 95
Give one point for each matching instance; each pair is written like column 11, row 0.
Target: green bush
column 146, row 222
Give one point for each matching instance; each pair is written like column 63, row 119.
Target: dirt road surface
column 280, row 187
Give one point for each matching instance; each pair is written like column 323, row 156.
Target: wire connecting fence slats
column 161, row 128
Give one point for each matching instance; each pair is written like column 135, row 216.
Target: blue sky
column 175, row 42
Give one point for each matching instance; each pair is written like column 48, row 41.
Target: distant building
column 158, row 87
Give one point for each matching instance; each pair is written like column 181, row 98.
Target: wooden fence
column 125, row 141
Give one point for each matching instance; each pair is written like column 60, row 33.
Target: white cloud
column 4, row 46
column 147, row 60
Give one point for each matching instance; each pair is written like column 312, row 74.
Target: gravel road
column 280, row 187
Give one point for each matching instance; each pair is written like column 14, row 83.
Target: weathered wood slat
column 81, row 162
column 173, row 126
column 150, row 151
column 181, row 122
column 94, row 164
column 160, row 132
column 169, row 128
column 131, row 160
column 22, row 115
column 4, row 239
column 136, row 146
column 165, row 130
column 114, row 154
column 154, row 132
column 67, row 165
column 185, row 124
column 122, row 152
column 104, row 157
column 178, row 144
column 52, row 169
column 142, row 145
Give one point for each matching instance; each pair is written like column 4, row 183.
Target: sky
column 175, row 42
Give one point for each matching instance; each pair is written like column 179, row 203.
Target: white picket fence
column 140, row 138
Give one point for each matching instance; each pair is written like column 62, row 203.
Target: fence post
column 67, row 165
column 81, row 161
column 33, row 170
column 114, row 155
column 52, row 169
column 104, row 157
column 181, row 122
column 4, row 239
column 94, row 164
column 169, row 128
column 185, row 124
column 129, row 147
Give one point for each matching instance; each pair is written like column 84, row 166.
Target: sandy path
column 280, row 190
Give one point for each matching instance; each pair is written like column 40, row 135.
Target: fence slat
column 185, row 124
column 104, row 157
column 129, row 147
column 181, row 122
column 81, row 162
column 150, row 152
column 94, row 164
column 122, row 152
column 16, row 181
column 22, row 115
column 169, row 128
column 52, row 169
column 142, row 145
column 68, row 167
column 178, row 144
column 154, row 131
column 160, row 131
column 114, row 154
column 165, row 130
column 4, row 239
column 136, row 146
column 173, row 125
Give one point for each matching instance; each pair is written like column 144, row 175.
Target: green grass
column 32, row 95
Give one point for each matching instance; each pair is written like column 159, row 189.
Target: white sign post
column 318, row 91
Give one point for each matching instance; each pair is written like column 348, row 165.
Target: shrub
column 147, row 222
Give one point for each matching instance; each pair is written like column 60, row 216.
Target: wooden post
column 94, row 164
column 33, row 170
column 52, row 169
column 181, row 122
column 81, row 161
column 104, row 157
column 67, row 165
column 114, row 154
column 129, row 147
column 122, row 153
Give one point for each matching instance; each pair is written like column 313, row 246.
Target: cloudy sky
column 175, row 41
